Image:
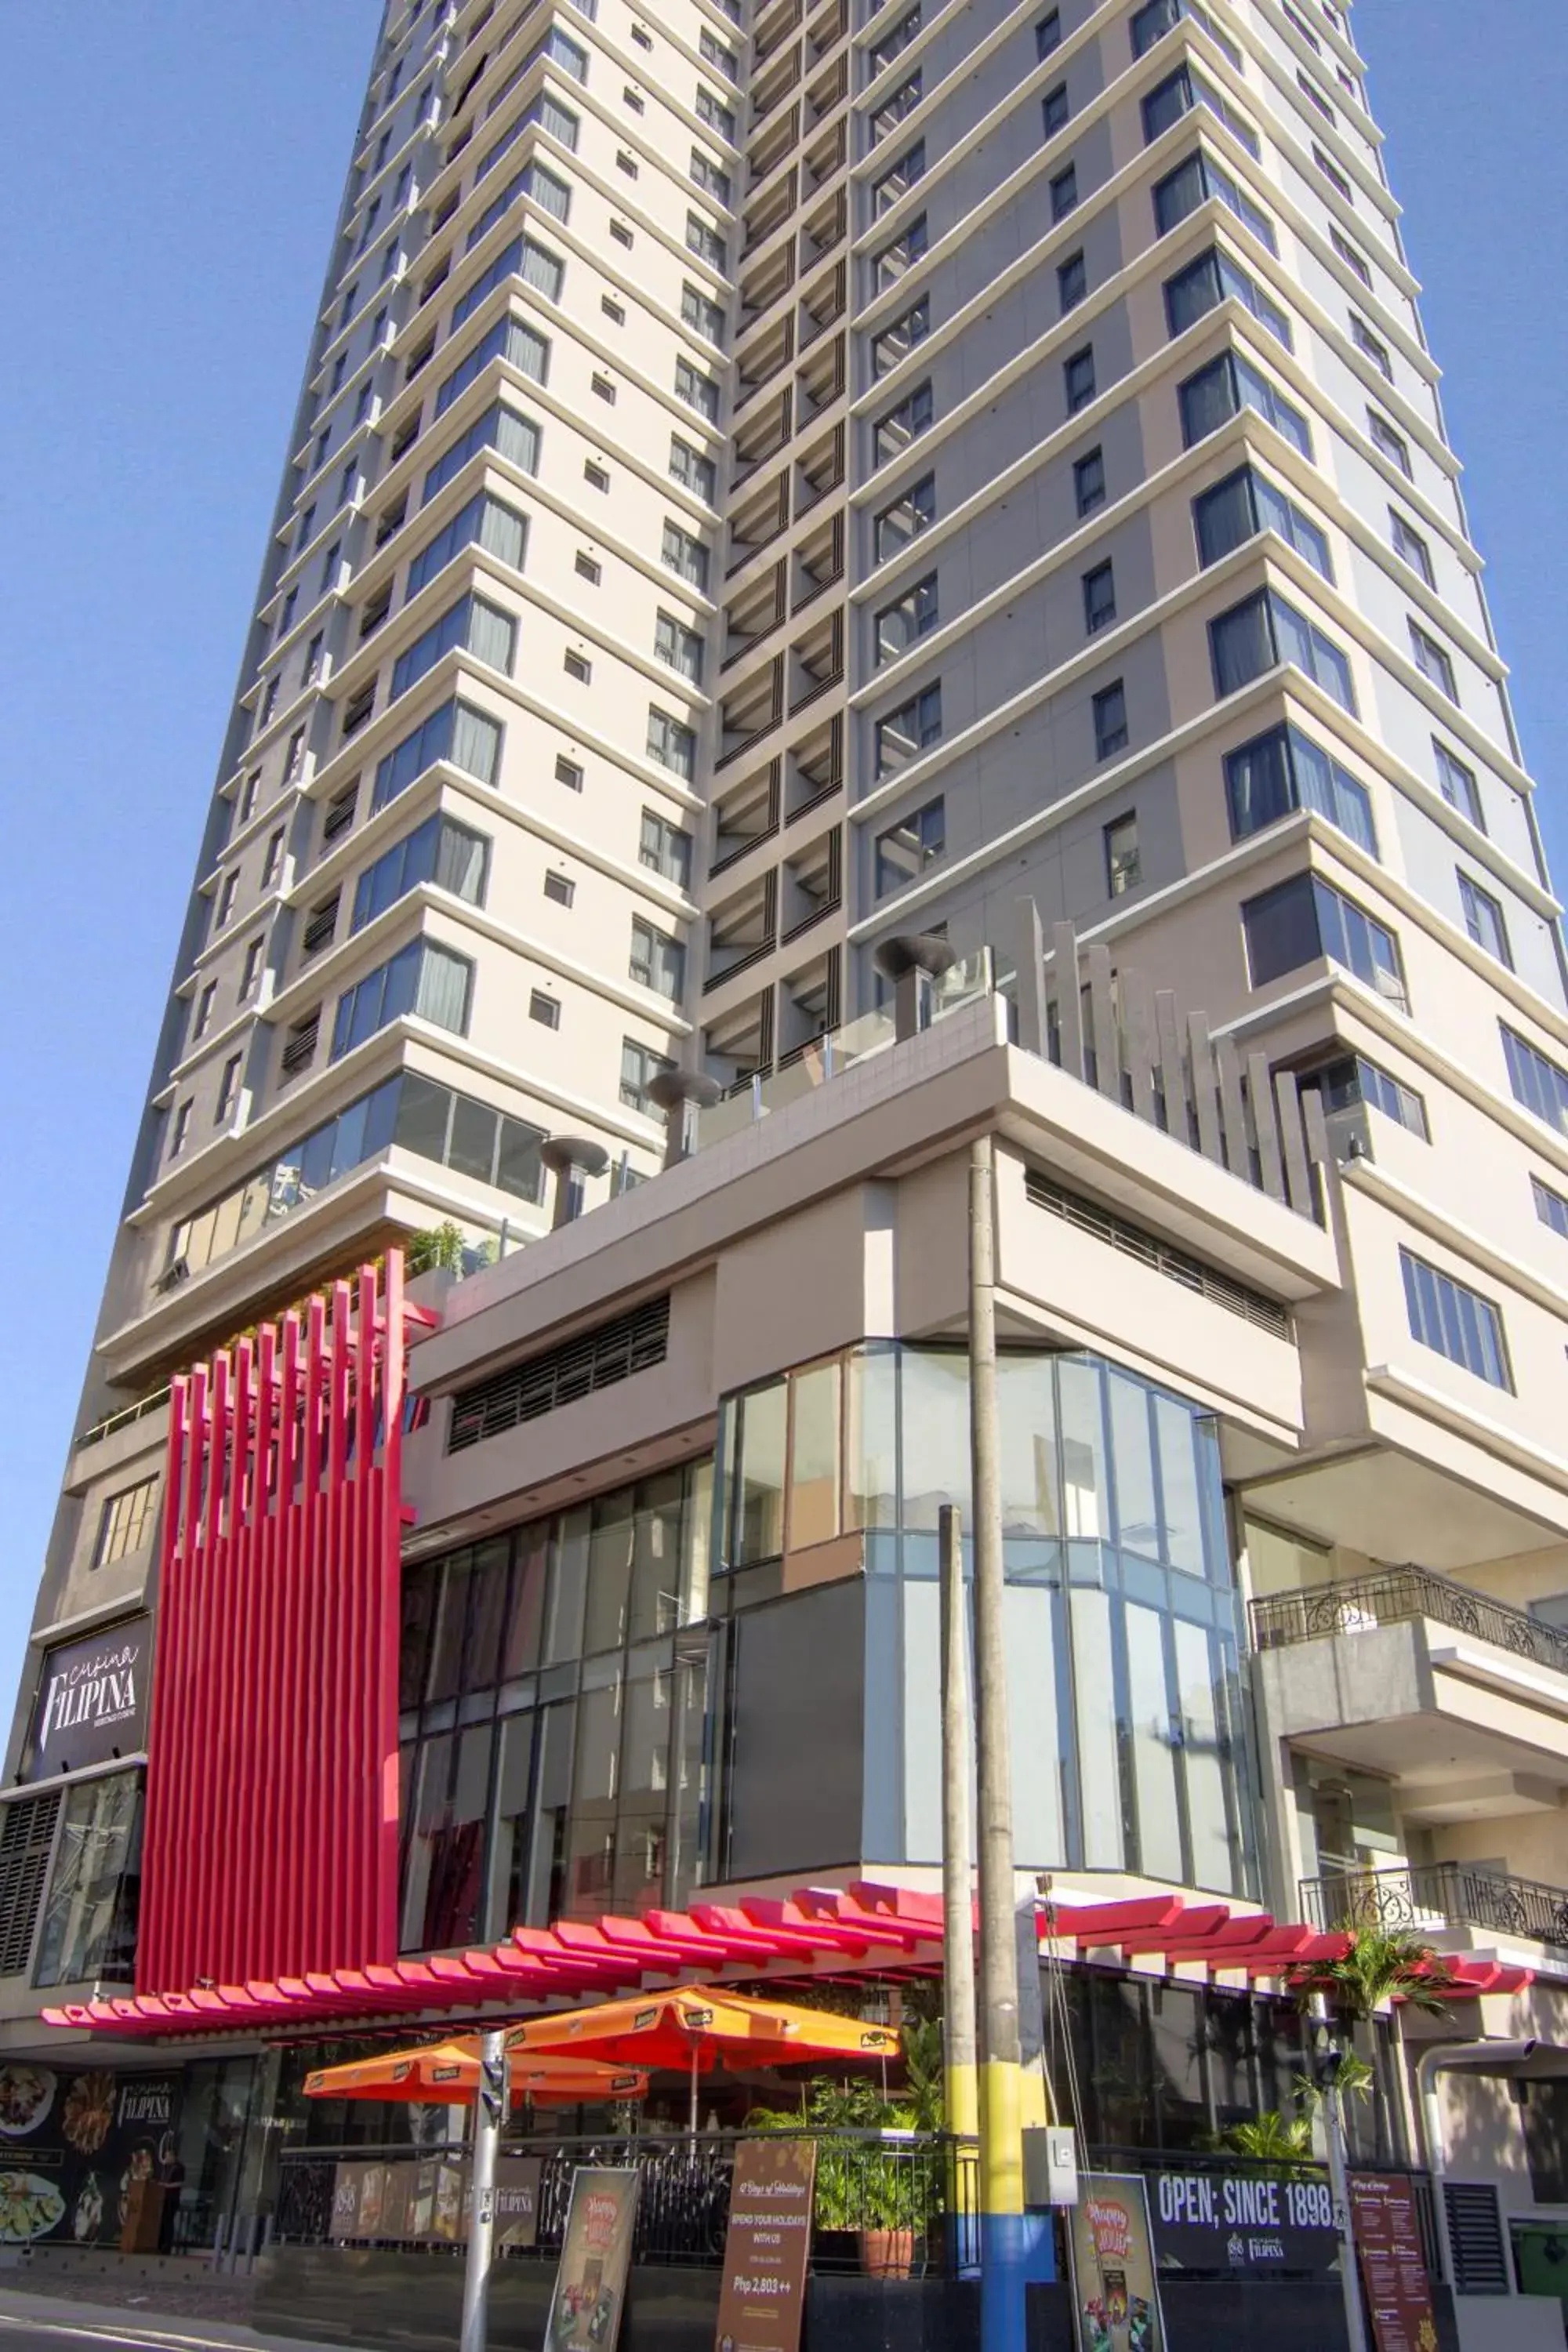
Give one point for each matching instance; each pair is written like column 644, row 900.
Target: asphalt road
column 28, row 2325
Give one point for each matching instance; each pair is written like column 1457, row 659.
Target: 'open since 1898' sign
column 1244, row 2223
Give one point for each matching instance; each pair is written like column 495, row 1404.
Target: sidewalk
column 175, row 2315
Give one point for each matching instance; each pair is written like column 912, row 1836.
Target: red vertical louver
column 272, row 1830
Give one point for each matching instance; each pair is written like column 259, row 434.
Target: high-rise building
column 771, row 482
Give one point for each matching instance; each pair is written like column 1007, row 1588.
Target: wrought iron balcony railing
column 1439, row 1894
column 1392, row 1596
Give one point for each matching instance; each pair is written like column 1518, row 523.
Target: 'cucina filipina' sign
column 92, row 1700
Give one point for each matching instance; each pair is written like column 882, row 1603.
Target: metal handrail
column 1394, row 1596
column 1415, row 1896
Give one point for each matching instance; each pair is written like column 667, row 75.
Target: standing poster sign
column 1116, row 2294
column 595, row 2256
column 767, row 2246
column 1393, row 2262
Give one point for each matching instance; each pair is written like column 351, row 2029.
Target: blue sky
column 177, row 164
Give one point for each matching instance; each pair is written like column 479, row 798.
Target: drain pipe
column 1480, row 2057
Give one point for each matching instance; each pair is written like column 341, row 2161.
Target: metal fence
column 918, row 2190
column 1438, row 1895
column 1392, row 1596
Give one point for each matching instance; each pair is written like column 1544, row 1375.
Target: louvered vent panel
column 27, row 1835
column 595, row 1359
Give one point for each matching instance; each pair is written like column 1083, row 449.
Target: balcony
column 1433, row 1898
column 1459, row 1700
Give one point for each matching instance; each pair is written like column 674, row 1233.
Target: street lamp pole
column 489, row 2109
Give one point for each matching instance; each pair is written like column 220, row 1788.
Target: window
column 1064, row 194
column 1253, row 636
column 1458, row 784
column 698, row 391
column 1332, row 173
column 422, row 980
column 225, row 897
column 500, row 531
column 692, row 469
column 470, row 625
column 889, row 266
column 656, row 961
column 908, row 731
column 545, row 1010
column 1192, row 184
column 229, row 1090
column 665, row 849
column 907, row 849
column 440, row 852
column 1277, row 773
column 1549, row 1207
column 559, row 887
column 587, row 569
column 569, row 774
column 339, row 814
column 714, row 111
column 595, row 476
column 1353, row 261
column 510, row 340
column 1357, row 1080
column 1539, row 1083
column 904, row 100
column 708, row 177
column 358, row 708
column 577, row 666
column 1484, row 918
column 313, row 657
column 1389, row 444
column 1048, row 34
column 1457, row 1321
column 1210, row 280
column 907, row 517
column 1055, row 109
column 1078, row 379
column 1098, row 598
column 685, row 555
column 1227, row 385
column 1072, row 281
column 603, row 388
column 1179, row 93
column 899, row 179
column 697, row 311
column 704, row 240
column 1410, row 546
column 898, row 625
column 1088, row 481
column 1241, row 506
column 321, row 925
column 681, row 647
column 1313, row 95
column 898, row 37
column 1123, row 866
column 1433, row 663
column 179, row 1134
column 714, row 53
column 639, row 1068
column 1110, row 721
column 294, row 758
column 1152, row 22
column 627, row 163
column 125, row 1522
column 900, row 425
column 513, row 436
column 250, row 970
column 1368, row 344
column 455, row 732
column 330, row 562
column 203, row 1013
column 346, row 482
column 671, row 744
column 1306, row 919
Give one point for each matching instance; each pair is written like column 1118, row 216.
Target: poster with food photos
column 74, row 2143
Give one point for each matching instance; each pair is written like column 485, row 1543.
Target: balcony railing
column 1438, row 1895
column 1391, row 1597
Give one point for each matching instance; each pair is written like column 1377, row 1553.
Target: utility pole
column 490, row 2107
column 960, row 2092
column 1003, row 2229
column 1339, row 2181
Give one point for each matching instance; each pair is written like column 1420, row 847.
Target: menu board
column 767, row 2246
column 1393, row 2262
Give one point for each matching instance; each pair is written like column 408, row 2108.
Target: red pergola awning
column 864, row 1929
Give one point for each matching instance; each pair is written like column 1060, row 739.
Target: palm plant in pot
column 871, row 2193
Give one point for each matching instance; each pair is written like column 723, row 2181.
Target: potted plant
column 867, row 2195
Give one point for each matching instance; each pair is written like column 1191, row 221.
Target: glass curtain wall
column 1130, row 1749
column 89, row 1928
column 553, row 1693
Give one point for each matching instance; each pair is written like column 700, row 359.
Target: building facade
column 768, row 484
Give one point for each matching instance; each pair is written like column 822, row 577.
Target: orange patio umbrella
column 447, row 2073
column 698, row 2026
